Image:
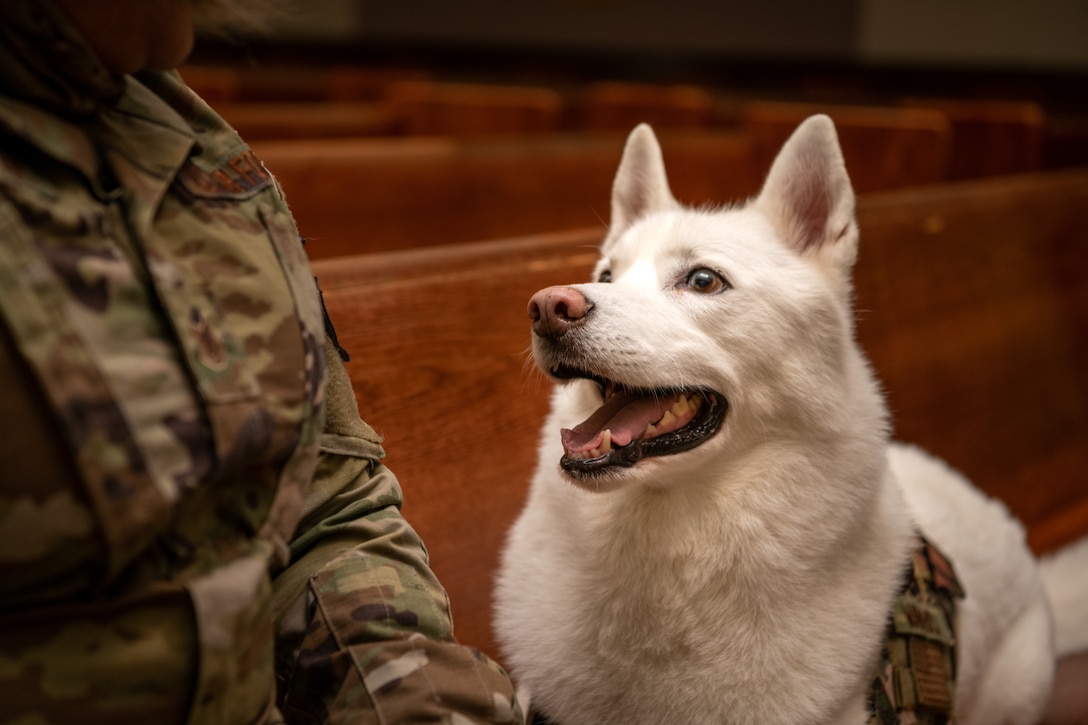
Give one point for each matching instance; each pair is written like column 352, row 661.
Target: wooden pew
column 1065, row 140
column 972, row 302
column 263, row 120
column 279, row 83
column 261, row 83
column 363, row 195
column 990, row 137
column 884, row 148
column 474, row 109
column 620, row 106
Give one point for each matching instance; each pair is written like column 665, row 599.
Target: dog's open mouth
column 633, row 424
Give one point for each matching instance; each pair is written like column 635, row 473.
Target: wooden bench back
column 990, row 137
column 352, row 196
column 972, row 302
column 884, row 148
column 474, row 109
column 283, row 120
column 620, row 106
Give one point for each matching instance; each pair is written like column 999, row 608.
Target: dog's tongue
column 625, row 414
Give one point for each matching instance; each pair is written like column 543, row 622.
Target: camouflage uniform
column 915, row 682
column 195, row 525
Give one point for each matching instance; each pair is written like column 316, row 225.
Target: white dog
column 722, row 531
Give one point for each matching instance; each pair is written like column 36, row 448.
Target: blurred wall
column 700, row 27
column 1022, row 33
column 1044, row 34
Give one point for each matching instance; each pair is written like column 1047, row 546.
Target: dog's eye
column 605, row 276
column 705, row 281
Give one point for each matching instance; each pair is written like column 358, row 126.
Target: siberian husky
column 719, row 530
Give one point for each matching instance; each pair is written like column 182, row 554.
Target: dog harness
column 915, row 680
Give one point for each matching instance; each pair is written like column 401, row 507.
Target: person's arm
column 362, row 624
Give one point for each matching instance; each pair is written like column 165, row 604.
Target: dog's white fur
column 749, row 580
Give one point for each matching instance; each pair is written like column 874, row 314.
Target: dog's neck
column 745, row 526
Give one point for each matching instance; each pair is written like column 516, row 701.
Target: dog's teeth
column 685, row 404
column 681, row 406
column 605, row 447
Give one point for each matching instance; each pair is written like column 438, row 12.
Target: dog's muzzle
column 631, row 423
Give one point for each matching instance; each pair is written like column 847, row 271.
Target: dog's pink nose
column 554, row 310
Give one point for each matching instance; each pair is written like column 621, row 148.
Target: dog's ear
column 641, row 186
column 808, row 196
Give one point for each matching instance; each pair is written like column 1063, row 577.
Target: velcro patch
column 240, row 176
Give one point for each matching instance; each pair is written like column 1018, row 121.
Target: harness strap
column 916, row 676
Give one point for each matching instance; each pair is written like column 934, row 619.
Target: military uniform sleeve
column 364, row 632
